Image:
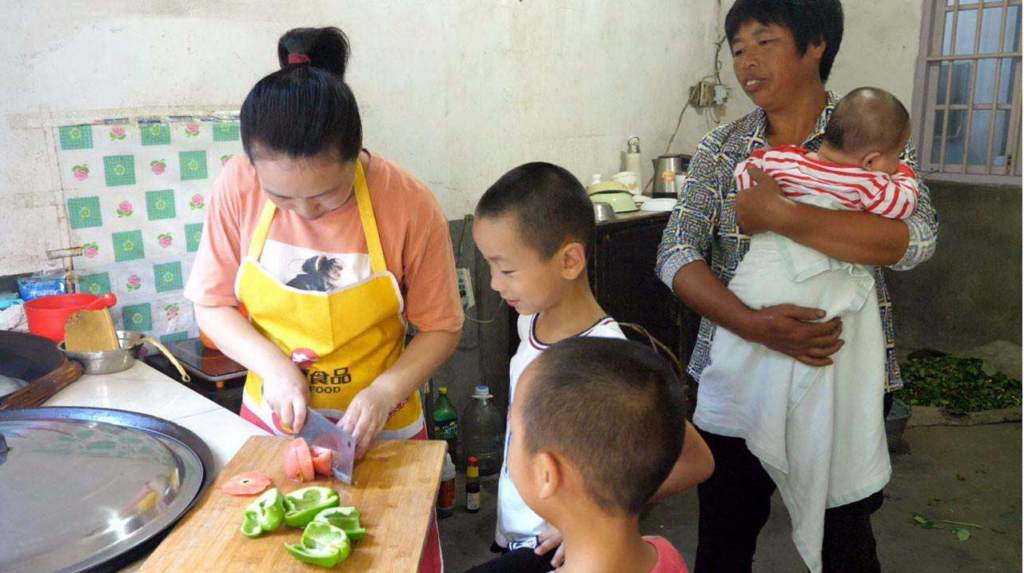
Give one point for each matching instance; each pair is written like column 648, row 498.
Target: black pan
column 27, row 356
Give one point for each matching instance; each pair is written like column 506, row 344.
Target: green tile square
column 167, row 277
column 160, row 205
column 193, row 165
column 155, row 134
column 97, row 284
column 174, row 337
column 128, row 246
column 84, row 212
column 76, row 137
column 119, row 170
column 226, row 131
column 193, row 234
column 137, row 317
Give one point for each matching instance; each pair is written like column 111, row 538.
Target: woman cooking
column 332, row 250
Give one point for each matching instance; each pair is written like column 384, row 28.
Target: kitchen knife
column 319, row 431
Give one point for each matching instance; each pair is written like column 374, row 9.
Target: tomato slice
column 321, row 460
column 298, row 462
column 250, row 483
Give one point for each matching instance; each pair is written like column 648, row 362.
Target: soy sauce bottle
column 473, row 485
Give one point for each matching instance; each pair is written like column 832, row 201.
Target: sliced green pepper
column 322, row 556
column 345, row 518
column 322, row 544
column 264, row 515
column 302, row 505
column 250, row 525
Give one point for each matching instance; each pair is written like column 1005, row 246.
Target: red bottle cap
column 473, row 461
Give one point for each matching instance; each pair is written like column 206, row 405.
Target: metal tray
column 89, row 489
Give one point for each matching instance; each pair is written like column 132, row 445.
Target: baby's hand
column 550, row 539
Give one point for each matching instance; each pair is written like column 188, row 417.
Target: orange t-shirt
column 330, row 252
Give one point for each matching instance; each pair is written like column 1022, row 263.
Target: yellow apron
column 342, row 340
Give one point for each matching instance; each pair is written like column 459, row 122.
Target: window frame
column 926, row 83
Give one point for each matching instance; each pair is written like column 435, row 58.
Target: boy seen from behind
column 595, row 432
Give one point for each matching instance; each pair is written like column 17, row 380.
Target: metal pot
column 603, row 211
column 110, row 361
column 665, row 169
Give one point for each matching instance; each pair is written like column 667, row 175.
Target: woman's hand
column 791, row 330
column 761, row 207
column 366, row 415
column 287, row 392
column 550, row 539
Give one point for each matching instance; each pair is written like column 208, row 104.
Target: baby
column 818, row 431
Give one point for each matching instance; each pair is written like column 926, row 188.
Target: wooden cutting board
column 395, row 488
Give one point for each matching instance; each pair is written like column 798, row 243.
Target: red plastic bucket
column 47, row 315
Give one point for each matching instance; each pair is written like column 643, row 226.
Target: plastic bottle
column 473, row 486
column 446, row 494
column 484, row 435
column 446, row 421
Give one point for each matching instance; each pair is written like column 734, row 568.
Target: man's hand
column 761, row 207
column 790, row 329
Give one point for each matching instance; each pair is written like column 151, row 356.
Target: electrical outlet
column 466, row 288
column 704, row 93
column 721, row 94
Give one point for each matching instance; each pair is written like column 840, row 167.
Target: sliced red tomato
column 250, row 483
column 298, row 462
column 321, row 460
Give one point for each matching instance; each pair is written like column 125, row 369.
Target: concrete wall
column 458, row 92
column 969, row 294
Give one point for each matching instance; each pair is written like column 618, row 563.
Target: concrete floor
column 970, row 474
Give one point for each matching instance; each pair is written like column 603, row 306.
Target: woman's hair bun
column 327, row 48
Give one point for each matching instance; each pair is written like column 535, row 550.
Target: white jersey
column 518, row 525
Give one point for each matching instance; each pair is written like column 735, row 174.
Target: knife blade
column 319, row 431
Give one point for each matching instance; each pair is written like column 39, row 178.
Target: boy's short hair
column 868, row 119
column 549, row 204
column 810, row 21
column 607, row 406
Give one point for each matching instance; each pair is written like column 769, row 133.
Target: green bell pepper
column 344, row 518
column 322, row 556
column 264, row 515
column 322, row 544
column 302, row 505
column 250, row 525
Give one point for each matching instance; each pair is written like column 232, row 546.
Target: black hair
column 810, row 22
column 606, row 405
column 868, row 119
column 304, row 109
column 549, row 204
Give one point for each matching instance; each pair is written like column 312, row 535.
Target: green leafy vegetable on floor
column 960, row 529
column 958, row 385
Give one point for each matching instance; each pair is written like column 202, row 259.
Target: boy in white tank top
column 533, row 226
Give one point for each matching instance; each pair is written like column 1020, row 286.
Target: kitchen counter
column 143, row 389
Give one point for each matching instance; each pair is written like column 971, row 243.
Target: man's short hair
column 810, row 21
column 550, row 206
column 868, row 119
column 607, row 406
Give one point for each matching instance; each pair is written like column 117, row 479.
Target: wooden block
column 394, row 487
column 90, row 331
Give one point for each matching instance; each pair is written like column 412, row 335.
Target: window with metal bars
column 967, row 98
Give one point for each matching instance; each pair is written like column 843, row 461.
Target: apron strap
column 259, row 236
column 366, row 217
column 369, row 221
